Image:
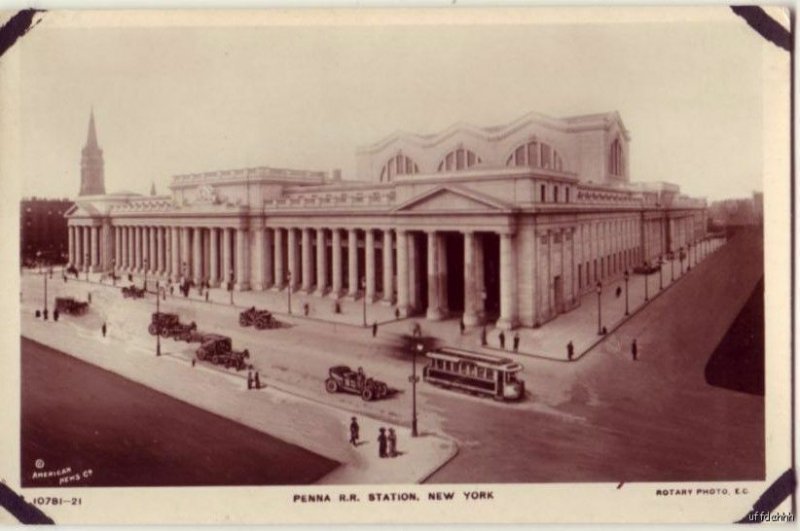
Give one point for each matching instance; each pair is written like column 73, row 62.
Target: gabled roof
column 461, row 198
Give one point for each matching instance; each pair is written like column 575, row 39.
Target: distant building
column 508, row 224
column 92, row 178
column 737, row 212
column 43, row 230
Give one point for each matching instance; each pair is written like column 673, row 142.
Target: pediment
column 452, row 199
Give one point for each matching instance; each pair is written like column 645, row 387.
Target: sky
column 180, row 100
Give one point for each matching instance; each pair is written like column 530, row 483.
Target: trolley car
column 474, row 373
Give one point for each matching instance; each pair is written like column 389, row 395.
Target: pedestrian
column 374, row 328
column 257, row 381
column 392, row 440
column 305, row 309
column 65, row 278
column 206, row 295
column 416, row 330
column 382, row 443
column 502, row 338
column 483, row 337
column 55, row 315
column 353, row 431
column 130, row 277
column 634, row 350
column 104, row 328
column 194, row 361
column 171, row 290
column 516, row 341
column 570, row 351
column 461, row 325
column 605, row 330
column 38, row 314
column 249, row 379
column 619, row 291
column 397, row 313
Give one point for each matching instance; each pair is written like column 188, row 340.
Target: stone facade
column 508, row 224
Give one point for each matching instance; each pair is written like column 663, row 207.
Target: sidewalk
column 313, row 425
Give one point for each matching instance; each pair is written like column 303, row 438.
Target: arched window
column 398, row 165
column 458, row 159
column 616, row 162
column 536, row 155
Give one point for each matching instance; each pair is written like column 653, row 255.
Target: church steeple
column 92, row 177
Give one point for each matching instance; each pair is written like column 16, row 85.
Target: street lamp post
column 660, row 272
column 646, row 281
column 364, row 296
column 627, row 276
column 599, row 309
column 158, row 311
column 418, row 348
column 45, row 296
column 688, row 257
column 289, row 291
column 681, row 256
column 672, row 267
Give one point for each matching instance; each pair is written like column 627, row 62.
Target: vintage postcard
column 396, row 266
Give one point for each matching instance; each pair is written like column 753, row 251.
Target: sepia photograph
column 421, row 258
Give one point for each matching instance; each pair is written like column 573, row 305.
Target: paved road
column 77, row 415
column 603, row 418
column 655, row 419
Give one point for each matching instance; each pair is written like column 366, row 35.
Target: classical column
column 402, row 273
column 214, row 265
column 269, row 264
column 226, row 257
column 175, row 256
column 137, row 249
column 78, row 248
column 470, row 288
column 258, row 258
column 369, row 264
column 128, row 243
column 160, row 265
column 94, row 255
column 117, row 247
column 441, row 268
column 291, row 247
column 197, row 255
column 352, row 262
column 242, row 260
column 322, row 264
column 336, row 258
column 153, row 250
column 306, row 260
column 434, row 313
column 508, row 305
column 415, row 271
column 388, row 269
column 186, row 259
column 71, row 246
column 280, row 274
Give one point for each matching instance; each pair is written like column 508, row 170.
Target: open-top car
column 218, row 349
column 71, row 306
column 342, row 378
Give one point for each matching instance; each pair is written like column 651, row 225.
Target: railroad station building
column 507, row 224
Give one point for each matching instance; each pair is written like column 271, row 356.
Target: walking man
column 483, row 337
column 461, row 326
column 374, row 328
column 397, row 313
column 249, row 379
column 502, row 338
column 257, row 381
column 634, row 350
column 392, row 440
column 104, row 328
column 570, row 351
column 354, row 431
column 382, row 443
column 516, row 341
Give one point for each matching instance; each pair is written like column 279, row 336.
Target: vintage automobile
column 261, row 319
column 218, row 350
column 163, row 324
column 343, row 378
column 70, row 306
column 132, row 292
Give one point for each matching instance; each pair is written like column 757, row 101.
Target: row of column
column 84, row 247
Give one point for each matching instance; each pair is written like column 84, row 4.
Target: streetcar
column 474, row 373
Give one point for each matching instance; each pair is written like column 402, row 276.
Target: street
column 76, row 415
column 602, row 418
